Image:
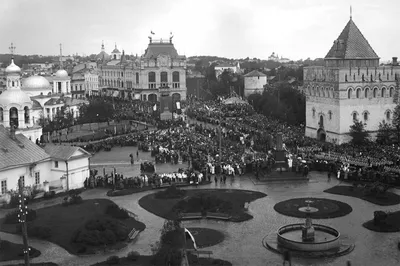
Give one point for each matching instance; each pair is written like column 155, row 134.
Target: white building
column 85, row 80
column 351, row 86
column 254, row 82
column 53, row 168
column 219, row 69
column 16, row 107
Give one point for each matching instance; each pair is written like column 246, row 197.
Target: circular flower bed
column 326, row 208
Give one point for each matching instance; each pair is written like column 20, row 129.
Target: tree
column 385, row 132
column 396, row 120
column 358, row 133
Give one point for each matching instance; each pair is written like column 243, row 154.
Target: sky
column 295, row 29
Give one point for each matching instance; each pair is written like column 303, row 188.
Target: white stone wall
column 254, row 84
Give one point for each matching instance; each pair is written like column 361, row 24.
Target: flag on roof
column 152, row 32
column 189, row 236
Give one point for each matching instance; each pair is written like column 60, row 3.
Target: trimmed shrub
column 116, row 212
column 12, row 217
column 72, row 199
column 49, row 195
column 113, row 260
column 171, row 192
column 133, row 256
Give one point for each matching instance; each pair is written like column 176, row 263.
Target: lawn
column 13, row 251
column 386, row 199
column 206, row 237
column 391, row 224
column 230, row 201
column 326, row 208
column 64, row 222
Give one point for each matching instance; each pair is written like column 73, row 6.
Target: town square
column 165, row 158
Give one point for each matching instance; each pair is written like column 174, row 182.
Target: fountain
column 308, row 239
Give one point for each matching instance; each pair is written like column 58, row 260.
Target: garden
column 173, row 201
column 384, row 222
column 12, row 251
column 326, row 208
column 79, row 226
column 374, row 193
column 167, row 251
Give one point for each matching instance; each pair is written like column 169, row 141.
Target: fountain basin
column 326, row 238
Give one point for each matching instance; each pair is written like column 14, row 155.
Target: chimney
column 394, row 63
column 12, row 132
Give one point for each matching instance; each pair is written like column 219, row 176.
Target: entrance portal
column 321, row 135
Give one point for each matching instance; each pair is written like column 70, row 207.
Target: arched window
column 349, row 93
column 152, row 77
column 321, row 121
column 313, row 112
column 26, row 114
column 164, row 76
column 391, row 92
column 388, row 115
column 322, row 92
column 330, row 114
column 365, row 115
column 354, row 114
column 375, row 92
column 137, row 78
column 1, row 115
column 366, row 92
column 317, row 91
column 175, row 76
column 13, row 117
column 358, row 93
column 383, row 92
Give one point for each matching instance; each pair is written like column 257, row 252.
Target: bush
column 49, row 195
column 116, row 212
column 133, row 256
column 171, row 192
column 12, row 217
column 72, row 199
column 112, row 260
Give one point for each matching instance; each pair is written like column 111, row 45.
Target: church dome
column 61, row 73
column 13, row 68
column 36, row 83
column 103, row 55
column 14, row 96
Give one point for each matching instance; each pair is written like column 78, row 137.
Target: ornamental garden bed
column 224, row 201
column 129, row 191
column 326, row 208
column 82, row 228
column 385, row 199
column 390, row 223
column 12, row 251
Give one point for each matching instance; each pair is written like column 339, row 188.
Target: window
column 37, row 178
column 152, row 77
column 330, row 115
column 175, row 76
column 354, row 115
column 365, row 115
column 390, row 95
column 122, row 74
column 1, row 115
column 164, row 77
column 137, row 78
column 3, row 186
column 366, row 92
column 388, row 115
column 23, row 180
column 345, row 78
column 375, row 92
column 349, row 93
column 313, row 112
column 383, row 92
column 56, row 164
column 358, row 92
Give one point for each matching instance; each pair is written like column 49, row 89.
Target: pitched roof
column 62, row 152
column 155, row 49
column 36, row 105
column 351, row 44
column 255, row 73
column 224, row 65
column 55, row 101
column 21, row 151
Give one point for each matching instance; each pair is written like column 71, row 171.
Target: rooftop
column 20, row 151
column 156, row 48
column 351, row 44
column 255, row 73
column 62, row 152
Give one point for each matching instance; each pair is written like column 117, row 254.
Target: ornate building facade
column 351, row 86
column 159, row 71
